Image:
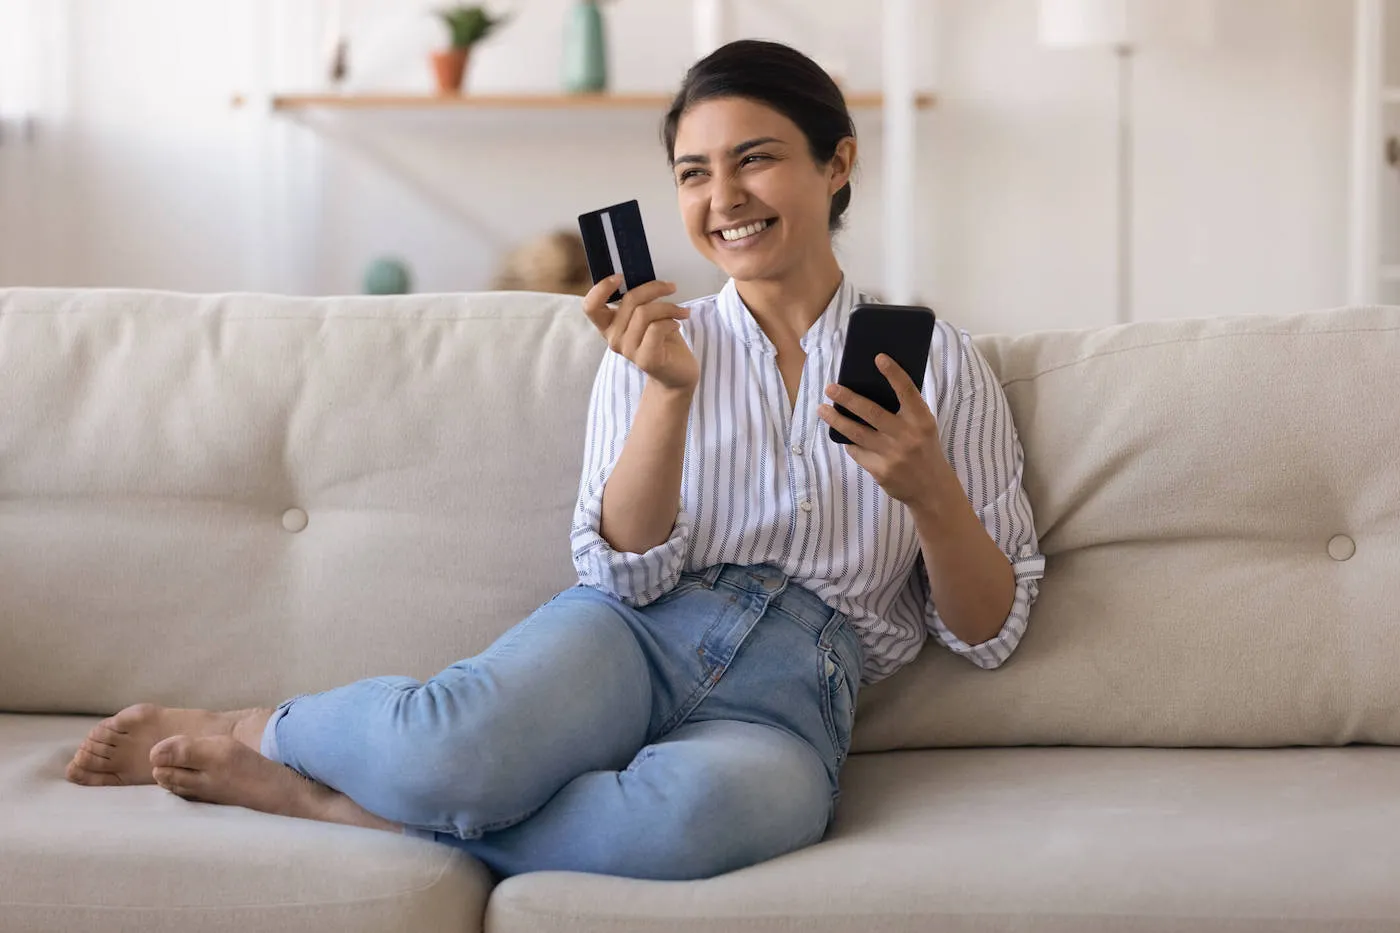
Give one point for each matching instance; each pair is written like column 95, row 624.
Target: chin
column 745, row 268
column 744, row 271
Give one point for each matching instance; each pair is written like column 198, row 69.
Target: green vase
column 585, row 50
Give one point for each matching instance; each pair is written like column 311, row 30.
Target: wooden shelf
column 657, row 102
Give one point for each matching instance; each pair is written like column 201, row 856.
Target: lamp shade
column 1085, row 23
column 711, row 25
column 1076, row 24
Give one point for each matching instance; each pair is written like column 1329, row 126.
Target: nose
column 727, row 194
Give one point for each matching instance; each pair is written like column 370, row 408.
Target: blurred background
column 1064, row 165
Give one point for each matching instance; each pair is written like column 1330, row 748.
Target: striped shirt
column 763, row 483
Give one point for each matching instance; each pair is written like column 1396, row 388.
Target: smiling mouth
column 744, row 232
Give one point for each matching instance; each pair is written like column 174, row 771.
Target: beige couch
column 1219, row 501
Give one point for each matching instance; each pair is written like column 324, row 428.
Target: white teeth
column 738, row 233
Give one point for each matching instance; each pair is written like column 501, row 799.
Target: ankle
column 249, row 725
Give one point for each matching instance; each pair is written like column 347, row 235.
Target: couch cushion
column 161, row 450
column 1044, row 841
column 1188, row 478
column 141, row 860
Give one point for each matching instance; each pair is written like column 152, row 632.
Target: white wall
column 148, row 178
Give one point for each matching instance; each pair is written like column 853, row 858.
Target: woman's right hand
column 645, row 330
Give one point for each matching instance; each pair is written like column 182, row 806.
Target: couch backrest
column 1219, row 503
column 158, row 453
column 1195, row 484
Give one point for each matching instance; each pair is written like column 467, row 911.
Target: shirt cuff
column 993, row 652
column 634, row 579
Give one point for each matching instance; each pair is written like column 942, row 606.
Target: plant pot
column 449, row 67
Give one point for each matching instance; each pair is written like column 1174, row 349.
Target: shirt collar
column 828, row 333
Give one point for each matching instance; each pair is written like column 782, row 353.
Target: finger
column 856, row 432
column 595, row 303
column 634, row 299
column 645, row 317
column 872, row 412
column 904, row 389
column 651, row 291
column 652, row 348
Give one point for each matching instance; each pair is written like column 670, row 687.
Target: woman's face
column 753, row 199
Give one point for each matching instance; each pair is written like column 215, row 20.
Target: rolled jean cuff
column 268, row 745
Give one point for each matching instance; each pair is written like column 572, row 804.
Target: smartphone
column 615, row 241
column 903, row 332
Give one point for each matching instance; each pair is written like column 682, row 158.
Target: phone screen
column 903, row 332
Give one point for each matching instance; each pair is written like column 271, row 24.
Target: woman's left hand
column 901, row 450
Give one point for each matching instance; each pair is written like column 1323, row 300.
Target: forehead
column 719, row 124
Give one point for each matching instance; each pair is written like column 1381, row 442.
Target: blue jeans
column 694, row 736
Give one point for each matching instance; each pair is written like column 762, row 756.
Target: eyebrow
column 740, row 149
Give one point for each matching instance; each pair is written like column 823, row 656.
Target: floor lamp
column 1106, row 24
column 1123, row 27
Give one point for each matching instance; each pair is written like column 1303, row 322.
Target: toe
column 132, row 716
column 103, row 735
column 96, row 749
column 77, row 774
column 85, row 760
column 181, row 782
column 173, row 752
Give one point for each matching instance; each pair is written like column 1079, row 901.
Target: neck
column 787, row 307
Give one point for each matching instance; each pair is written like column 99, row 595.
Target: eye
column 688, row 174
column 755, row 157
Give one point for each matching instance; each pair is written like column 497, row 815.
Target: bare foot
column 220, row 769
column 118, row 749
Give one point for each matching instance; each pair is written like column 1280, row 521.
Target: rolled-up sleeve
column 980, row 441
column 635, row 579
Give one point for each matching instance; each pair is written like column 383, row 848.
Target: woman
column 686, row 710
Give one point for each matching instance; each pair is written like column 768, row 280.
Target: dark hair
column 780, row 77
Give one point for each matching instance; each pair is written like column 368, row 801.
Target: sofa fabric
column 1050, row 840
column 1219, row 505
column 1053, row 840
column 141, row 860
column 225, row 500
column 1194, row 484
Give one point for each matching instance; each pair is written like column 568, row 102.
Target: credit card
column 614, row 241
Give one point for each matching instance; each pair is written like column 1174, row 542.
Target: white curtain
column 33, row 59
column 33, row 90
column 18, row 77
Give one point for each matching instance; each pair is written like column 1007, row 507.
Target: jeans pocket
column 838, row 705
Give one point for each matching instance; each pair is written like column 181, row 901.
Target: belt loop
column 711, row 575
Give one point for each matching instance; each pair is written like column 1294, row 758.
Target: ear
column 843, row 163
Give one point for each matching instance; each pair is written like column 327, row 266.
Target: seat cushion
column 1044, row 840
column 142, row 860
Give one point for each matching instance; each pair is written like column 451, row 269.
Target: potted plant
column 467, row 24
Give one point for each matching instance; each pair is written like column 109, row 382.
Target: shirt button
column 797, row 450
column 805, row 505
